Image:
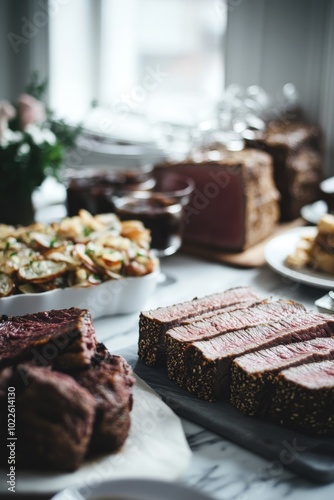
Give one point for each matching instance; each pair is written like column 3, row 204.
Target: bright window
column 159, row 58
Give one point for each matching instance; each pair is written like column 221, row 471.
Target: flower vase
column 16, row 210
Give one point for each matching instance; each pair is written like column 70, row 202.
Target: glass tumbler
column 160, row 209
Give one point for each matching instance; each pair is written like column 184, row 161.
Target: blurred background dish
column 325, row 303
column 327, row 193
column 313, row 212
column 127, row 149
column 283, row 245
column 135, row 489
column 93, row 187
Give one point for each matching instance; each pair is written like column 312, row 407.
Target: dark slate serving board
column 308, row 456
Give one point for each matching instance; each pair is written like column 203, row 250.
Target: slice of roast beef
column 235, row 320
column 109, row 379
column 153, row 324
column 178, row 339
column 303, row 398
column 61, row 338
column 253, row 374
column 54, row 417
column 210, row 314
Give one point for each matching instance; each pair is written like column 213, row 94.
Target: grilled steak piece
column 253, row 374
column 205, row 366
column 54, row 417
column 109, row 379
column 304, row 396
column 179, row 339
column 61, row 338
column 153, row 324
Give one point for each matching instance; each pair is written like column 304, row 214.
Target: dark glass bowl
column 160, row 209
column 93, row 188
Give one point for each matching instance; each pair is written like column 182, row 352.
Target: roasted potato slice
column 7, row 285
column 108, row 260
column 90, row 220
column 11, row 243
column 6, row 230
column 136, row 231
column 65, row 253
column 80, row 228
column 94, row 279
column 41, row 271
column 82, row 277
column 44, row 241
column 134, row 268
column 11, row 260
column 111, row 222
column 25, row 233
column 81, row 252
column 29, row 288
column 114, row 242
column 58, row 282
column 71, row 228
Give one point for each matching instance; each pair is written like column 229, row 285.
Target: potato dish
column 80, row 251
column 316, row 252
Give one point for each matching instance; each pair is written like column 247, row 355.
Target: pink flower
column 30, row 110
column 7, row 111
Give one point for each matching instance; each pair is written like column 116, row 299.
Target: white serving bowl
column 123, row 296
column 134, row 489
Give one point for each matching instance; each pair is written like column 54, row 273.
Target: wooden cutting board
column 252, row 257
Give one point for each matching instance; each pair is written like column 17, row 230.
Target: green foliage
column 30, row 155
column 24, row 165
column 36, row 87
column 65, row 134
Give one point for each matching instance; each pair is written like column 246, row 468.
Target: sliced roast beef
column 179, row 339
column 109, row 379
column 253, row 374
column 303, row 398
column 54, row 417
column 235, row 320
column 62, row 338
column 210, row 314
column 204, row 367
column 153, row 324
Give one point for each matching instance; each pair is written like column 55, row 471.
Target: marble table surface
column 218, row 467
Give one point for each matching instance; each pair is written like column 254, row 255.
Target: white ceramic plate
column 155, row 449
column 123, row 296
column 312, row 213
column 136, row 489
column 283, row 245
